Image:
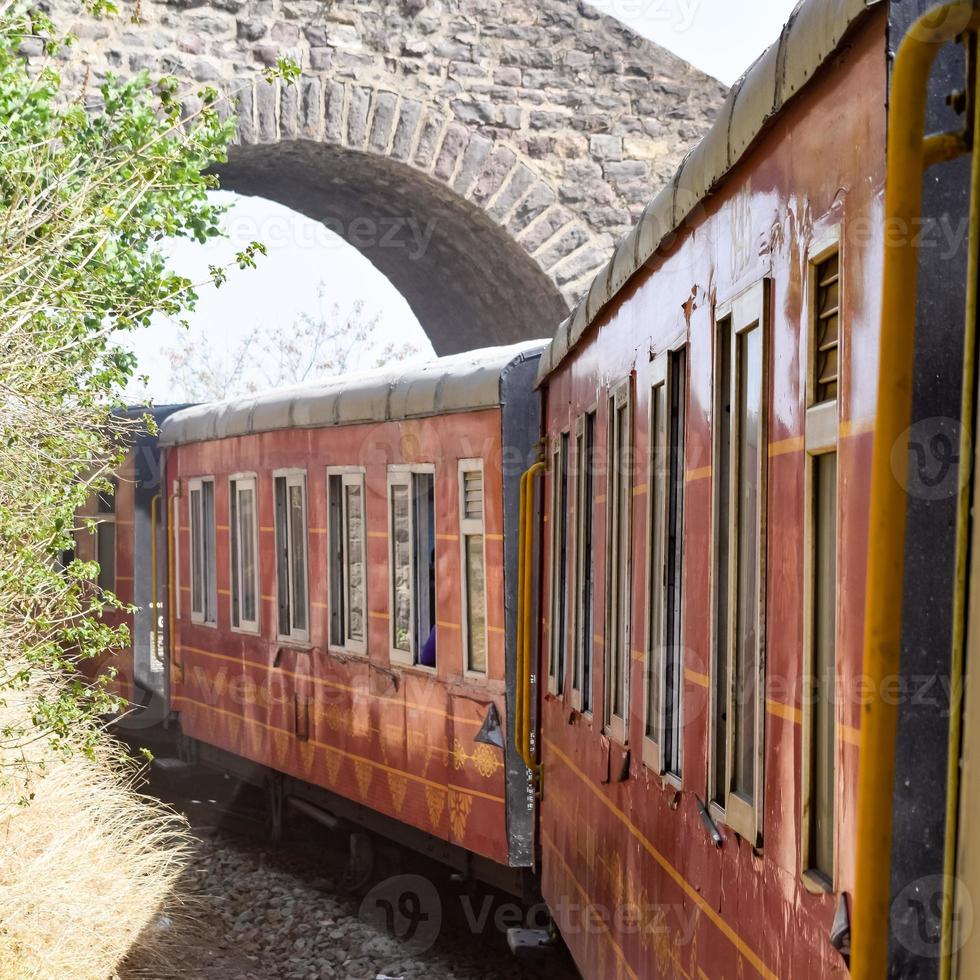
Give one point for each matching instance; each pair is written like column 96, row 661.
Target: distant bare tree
column 330, row 342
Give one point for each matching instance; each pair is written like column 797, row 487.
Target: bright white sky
column 721, row 37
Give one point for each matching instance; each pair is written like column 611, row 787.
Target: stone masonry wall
column 560, row 123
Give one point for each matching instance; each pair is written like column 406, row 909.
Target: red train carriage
column 708, row 411
column 343, row 605
column 760, row 551
column 128, row 540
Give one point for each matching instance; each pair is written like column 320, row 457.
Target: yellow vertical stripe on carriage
column 526, row 587
column 908, row 155
column 155, row 626
column 521, row 572
column 171, row 582
column 748, row 954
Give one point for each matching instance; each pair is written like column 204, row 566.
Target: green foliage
column 91, row 185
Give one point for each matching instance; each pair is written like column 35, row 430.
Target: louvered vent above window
column 826, row 362
column 472, row 495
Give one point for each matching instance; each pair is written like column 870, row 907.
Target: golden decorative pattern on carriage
column 392, row 741
column 218, row 683
column 398, row 787
column 334, row 717
column 635, row 896
column 435, row 751
column 360, row 719
column 484, row 757
column 417, row 748
column 256, row 737
column 486, row 760
column 281, row 742
column 617, row 880
column 435, row 801
column 656, row 932
column 333, row 761
column 307, row 753
column 233, row 723
column 460, row 805
column 363, row 773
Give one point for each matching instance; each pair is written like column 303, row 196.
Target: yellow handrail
column 519, row 671
column 909, row 152
column 525, row 611
column 155, row 633
column 171, row 582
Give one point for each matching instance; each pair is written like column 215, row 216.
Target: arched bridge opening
column 469, row 283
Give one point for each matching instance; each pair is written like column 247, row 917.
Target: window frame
column 675, row 471
column 558, row 646
column 821, row 438
column 660, row 471
column 250, row 627
column 293, row 477
column 472, row 527
column 721, row 334
column 748, row 310
column 402, row 474
column 583, row 642
column 618, row 565
column 196, row 485
column 107, row 519
column 349, row 476
column 652, row 751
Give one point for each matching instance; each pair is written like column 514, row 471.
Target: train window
column 106, row 499
column 653, row 717
column 584, row 562
column 411, row 500
column 748, row 462
column 826, row 327
column 243, row 528
column 664, row 666
column 721, row 494
column 105, row 536
column 619, row 505
column 347, row 557
column 820, row 569
column 559, row 564
column 291, row 556
column 105, row 543
column 204, row 586
column 471, row 527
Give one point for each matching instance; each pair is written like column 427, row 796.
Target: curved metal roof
column 812, row 34
column 461, row 383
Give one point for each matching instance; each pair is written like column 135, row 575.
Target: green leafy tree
column 91, row 184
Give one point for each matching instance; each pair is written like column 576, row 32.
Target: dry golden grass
column 85, row 866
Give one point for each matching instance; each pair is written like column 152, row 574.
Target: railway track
column 255, row 910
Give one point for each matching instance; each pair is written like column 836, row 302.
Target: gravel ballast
column 257, row 912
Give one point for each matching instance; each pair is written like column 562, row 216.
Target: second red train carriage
column 343, row 598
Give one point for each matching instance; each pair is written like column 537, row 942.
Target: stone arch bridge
column 485, row 155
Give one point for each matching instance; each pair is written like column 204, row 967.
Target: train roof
column 460, row 383
column 810, row 37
